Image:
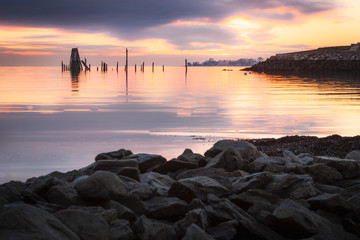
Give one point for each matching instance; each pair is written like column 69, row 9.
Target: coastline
column 294, row 187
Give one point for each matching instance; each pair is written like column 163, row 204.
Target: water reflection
column 75, row 81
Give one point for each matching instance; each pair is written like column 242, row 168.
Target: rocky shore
column 256, row 189
column 330, row 59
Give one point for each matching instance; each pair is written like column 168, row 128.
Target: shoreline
column 281, row 188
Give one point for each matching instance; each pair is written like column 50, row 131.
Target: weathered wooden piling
column 135, row 67
column 75, row 62
column 163, row 68
column 153, row 67
column 186, row 65
column 117, row 66
column 126, row 66
column 143, row 66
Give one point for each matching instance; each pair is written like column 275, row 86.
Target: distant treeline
column 239, row 62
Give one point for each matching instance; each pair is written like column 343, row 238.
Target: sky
column 42, row 32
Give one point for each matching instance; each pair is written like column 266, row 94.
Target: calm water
column 54, row 121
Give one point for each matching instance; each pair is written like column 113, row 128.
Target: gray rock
column 322, row 173
column 160, row 182
column 165, row 207
column 40, row 185
column 291, row 157
column 196, row 216
column 355, row 155
column 120, row 230
column 189, row 156
column 260, row 163
column 143, row 190
column 147, row 161
column 174, row 165
column 122, row 211
column 108, row 215
column 246, row 150
column 293, row 220
column 328, row 188
column 228, row 160
column 101, row 185
column 64, row 195
column 113, row 155
column 331, row 202
column 195, row 232
column 255, row 180
column 352, row 195
column 151, row 229
column 86, row 225
column 67, row 176
column 306, row 158
column 134, row 203
column 225, row 231
column 200, row 187
column 23, row 221
column 12, row 191
column 347, row 167
column 113, row 166
column 131, row 172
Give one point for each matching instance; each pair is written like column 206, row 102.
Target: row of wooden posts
column 76, row 65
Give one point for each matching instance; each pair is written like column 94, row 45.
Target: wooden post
column 117, row 66
column 75, row 63
column 135, row 67
column 143, row 66
column 62, row 66
column 186, row 65
column 126, row 66
column 89, row 67
column 153, row 67
column 97, row 68
column 163, row 68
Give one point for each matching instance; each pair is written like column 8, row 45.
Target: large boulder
column 246, row 150
column 64, row 195
column 101, row 185
column 147, row 161
column 120, row 230
column 199, row 187
column 84, row 224
column 196, row 216
column 228, row 160
column 355, row 155
column 260, row 163
column 160, row 182
column 23, row 221
column 189, row 156
column 143, row 190
column 130, row 172
column 293, row 220
column 322, row 173
column 331, row 202
column 122, row 211
column 165, row 207
column 12, row 191
column 174, row 165
column 347, row 167
column 195, row 232
column 113, row 155
column 225, row 230
column 252, row 181
column 134, row 203
column 112, row 165
column 151, row 229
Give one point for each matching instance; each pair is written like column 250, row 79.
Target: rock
column 134, row 203
column 260, row 163
column 147, row 161
column 12, row 191
column 67, row 176
column 255, row 180
column 84, row 224
column 143, row 190
column 352, row 195
column 120, row 230
column 306, row 158
column 122, row 211
column 225, row 231
column 355, row 155
column 291, row 157
column 228, row 160
column 40, row 185
column 328, row 188
column 250, row 228
column 189, row 156
column 101, row 185
column 113, row 155
column 195, row 232
column 160, row 182
column 113, row 166
column 174, row 165
column 293, row 220
column 199, row 186
column 196, row 216
column 23, row 221
column 131, row 172
column 151, row 229
column 347, row 167
column 331, row 202
column 108, row 215
column 64, row 195
column 322, row 173
column 165, row 207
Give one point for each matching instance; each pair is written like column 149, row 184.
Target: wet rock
column 151, row 229
column 122, row 211
column 228, row 160
column 330, row 202
column 322, row 173
column 101, row 185
column 113, row 155
column 131, row 172
column 113, row 166
column 355, row 155
column 225, row 231
column 195, row 232
column 160, row 182
column 293, row 220
column 174, row 165
column 84, row 224
column 200, row 187
column 120, row 230
column 23, row 221
column 246, row 150
column 195, row 216
column 147, row 161
column 64, row 195
column 347, row 167
column 165, row 207
column 189, row 156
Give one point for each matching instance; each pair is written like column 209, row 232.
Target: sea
column 57, row 121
